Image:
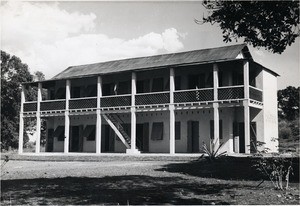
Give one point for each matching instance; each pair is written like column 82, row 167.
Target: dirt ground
column 129, row 183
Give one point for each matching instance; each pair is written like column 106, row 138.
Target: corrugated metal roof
column 165, row 60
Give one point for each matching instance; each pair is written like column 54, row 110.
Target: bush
column 285, row 131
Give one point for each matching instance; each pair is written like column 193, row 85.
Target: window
column 220, row 74
column 75, row 92
column 193, row 81
column 60, row 93
column 196, row 81
column 212, row 132
column 143, row 86
column 237, row 78
column 107, row 89
column 177, row 82
column 89, row 132
column 124, row 87
column 158, row 85
column 157, row 131
column 91, row 91
column 59, row 133
column 177, row 130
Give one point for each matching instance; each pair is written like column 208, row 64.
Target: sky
column 50, row 36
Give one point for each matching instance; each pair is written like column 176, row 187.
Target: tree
column 270, row 24
column 288, row 112
column 13, row 73
column 288, row 103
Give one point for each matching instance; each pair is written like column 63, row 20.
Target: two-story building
column 171, row 103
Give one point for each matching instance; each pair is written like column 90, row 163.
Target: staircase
column 114, row 123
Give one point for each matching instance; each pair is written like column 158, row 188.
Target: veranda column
column 99, row 121
column 38, row 119
column 67, row 117
column 216, row 139
column 172, row 112
column 21, row 123
column 133, row 149
column 246, row 107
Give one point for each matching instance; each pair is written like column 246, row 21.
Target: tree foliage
column 288, row 103
column 288, row 112
column 13, row 73
column 270, row 24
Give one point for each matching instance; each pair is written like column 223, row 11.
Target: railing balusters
column 155, row 98
column 152, row 98
column 198, row 95
column 231, row 93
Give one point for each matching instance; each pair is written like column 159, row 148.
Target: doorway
column 76, row 139
column 142, row 137
column 108, row 142
column 193, row 137
column 49, row 147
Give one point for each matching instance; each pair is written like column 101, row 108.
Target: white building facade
column 172, row 103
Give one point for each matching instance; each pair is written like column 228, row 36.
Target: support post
column 38, row 119
column 99, row 120
column 67, row 117
column 172, row 111
column 21, row 123
column 246, row 107
column 133, row 149
column 216, row 139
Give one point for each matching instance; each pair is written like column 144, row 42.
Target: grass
column 133, row 182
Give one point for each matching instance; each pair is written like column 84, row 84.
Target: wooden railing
column 255, row 94
column 57, row 104
column 231, row 92
column 116, row 101
column 193, row 95
column 152, row 98
column 83, row 103
column 30, row 106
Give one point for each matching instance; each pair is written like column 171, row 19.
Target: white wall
column 270, row 112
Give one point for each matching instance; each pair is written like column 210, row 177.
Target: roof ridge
column 235, row 45
column 155, row 59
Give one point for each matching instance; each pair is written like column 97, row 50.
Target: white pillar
column 246, row 107
column 133, row 149
column 216, row 140
column 216, row 81
column 38, row 119
column 67, row 117
column 21, row 123
column 172, row 111
column 99, row 120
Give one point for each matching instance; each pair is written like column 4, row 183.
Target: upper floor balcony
column 190, row 96
column 193, row 85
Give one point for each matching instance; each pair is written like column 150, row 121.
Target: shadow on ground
column 226, row 168
column 112, row 190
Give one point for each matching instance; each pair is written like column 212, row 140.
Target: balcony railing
column 231, row 92
column 59, row 104
column 152, row 98
column 193, row 95
column 30, row 106
column 83, row 103
column 116, row 101
column 255, row 94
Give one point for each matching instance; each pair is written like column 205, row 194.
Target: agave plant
column 213, row 152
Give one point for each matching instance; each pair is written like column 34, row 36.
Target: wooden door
column 193, row 137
